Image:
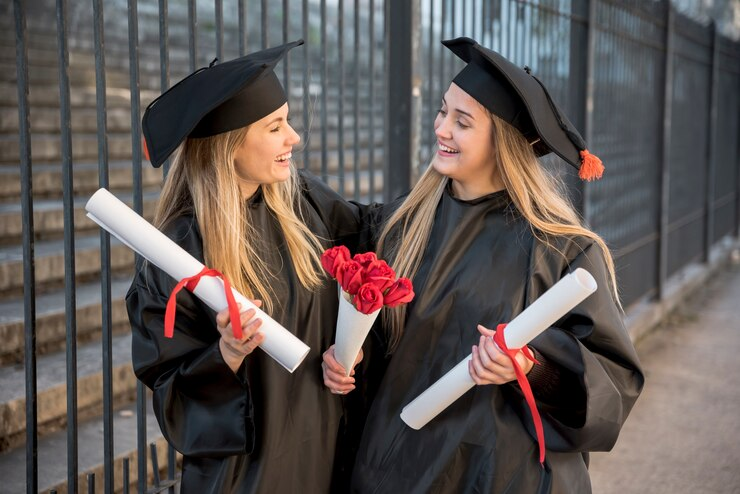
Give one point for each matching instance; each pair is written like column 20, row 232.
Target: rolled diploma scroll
column 570, row 291
column 352, row 329
column 111, row 214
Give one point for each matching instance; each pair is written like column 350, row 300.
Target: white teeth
column 284, row 157
column 447, row 149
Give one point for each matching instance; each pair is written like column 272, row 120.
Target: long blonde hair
column 202, row 180
column 537, row 195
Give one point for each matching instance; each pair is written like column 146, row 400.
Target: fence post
column 711, row 146
column 588, row 100
column 29, row 256
column 402, row 88
column 665, row 181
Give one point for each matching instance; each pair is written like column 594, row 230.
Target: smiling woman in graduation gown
column 484, row 257
column 245, row 425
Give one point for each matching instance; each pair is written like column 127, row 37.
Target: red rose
column 365, row 259
column 380, row 274
column 349, row 275
column 400, row 292
column 368, row 299
column 332, row 258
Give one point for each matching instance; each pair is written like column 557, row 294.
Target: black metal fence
column 654, row 93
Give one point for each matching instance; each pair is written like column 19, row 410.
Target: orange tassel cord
column 145, row 149
column 591, row 167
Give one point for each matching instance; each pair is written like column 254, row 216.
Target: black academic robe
column 483, row 265
column 263, row 429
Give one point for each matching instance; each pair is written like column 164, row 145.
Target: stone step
column 48, row 217
column 47, row 148
column 83, row 120
column 47, row 179
column 49, row 263
column 52, row 455
column 46, row 145
column 79, row 96
column 50, row 318
column 51, row 385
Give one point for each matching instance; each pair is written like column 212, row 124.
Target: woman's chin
column 441, row 167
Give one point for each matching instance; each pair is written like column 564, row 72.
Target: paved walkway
column 683, row 435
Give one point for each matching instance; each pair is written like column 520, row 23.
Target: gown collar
column 499, row 198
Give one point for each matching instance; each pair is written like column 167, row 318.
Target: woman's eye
column 462, row 125
column 276, row 129
column 442, row 112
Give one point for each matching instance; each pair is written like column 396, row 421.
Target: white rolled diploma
column 117, row 218
column 563, row 296
column 352, row 329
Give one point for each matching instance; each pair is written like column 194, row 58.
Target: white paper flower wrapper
column 117, row 218
column 570, row 291
column 352, row 329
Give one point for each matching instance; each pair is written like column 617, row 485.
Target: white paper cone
column 570, row 291
column 141, row 236
column 352, row 329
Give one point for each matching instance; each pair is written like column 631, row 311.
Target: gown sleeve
column 349, row 223
column 203, row 408
column 596, row 376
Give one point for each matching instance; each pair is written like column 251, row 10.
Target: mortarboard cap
column 519, row 98
column 213, row 100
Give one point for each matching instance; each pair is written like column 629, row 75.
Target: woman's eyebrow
column 458, row 110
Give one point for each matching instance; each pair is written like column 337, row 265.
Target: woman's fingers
column 334, row 374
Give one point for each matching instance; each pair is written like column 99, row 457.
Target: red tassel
column 591, row 167
column 146, row 150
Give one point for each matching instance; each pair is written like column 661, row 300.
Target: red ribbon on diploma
column 190, row 283
column 521, row 378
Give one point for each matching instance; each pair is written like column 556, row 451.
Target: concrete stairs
column 49, row 228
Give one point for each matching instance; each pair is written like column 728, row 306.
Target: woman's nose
column 441, row 127
column 293, row 137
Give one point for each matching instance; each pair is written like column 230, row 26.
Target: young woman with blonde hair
column 233, row 200
column 483, row 234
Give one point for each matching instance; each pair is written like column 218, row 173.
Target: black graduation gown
column 483, row 265
column 263, row 429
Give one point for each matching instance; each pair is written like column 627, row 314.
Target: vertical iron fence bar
column 263, row 24
column 430, row 100
column 371, row 106
column 126, row 476
column 286, row 61
column 69, row 245
column 454, row 33
column 242, row 12
column 665, row 153
column 29, row 257
column 356, row 104
column 588, row 117
column 171, row 463
column 306, row 95
column 133, row 43
column 218, row 6
column 442, row 50
column 711, row 145
column 324, row 89
column 340, row 113
column 192, row 34
column 164, row 60
column 105, row 263
column 463, row 18
column 398, row 97
column 155, row 463
column 91, row 483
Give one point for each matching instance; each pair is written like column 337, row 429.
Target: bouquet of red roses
column 366, row 284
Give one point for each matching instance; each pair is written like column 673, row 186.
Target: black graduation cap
column 214, row 99
column 519, row 98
